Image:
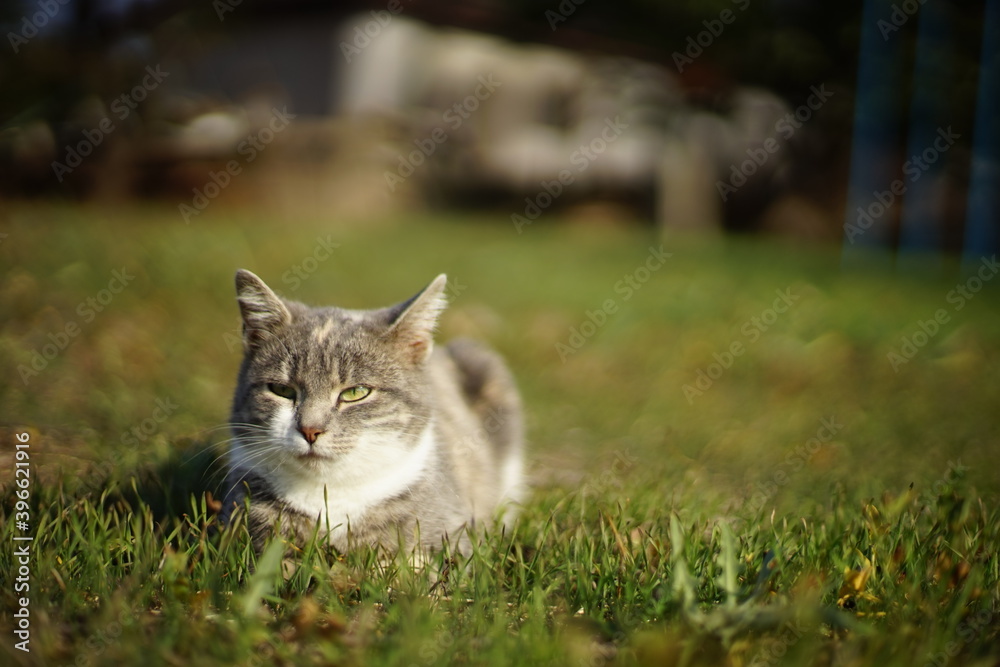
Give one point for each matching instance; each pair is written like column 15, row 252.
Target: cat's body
column 352, row 423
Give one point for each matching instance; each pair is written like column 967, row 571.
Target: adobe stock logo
column 455, row 116
column 696, row 44
column 364, row 35
column 913, row 169
column 581, row 158
column 87, row 310
column 301, row 272
column 927, row 329
column 786, row 127
column 626, row 288
column 752, row 330
column 566, row 9
column 901, row 13
column 31, row 25
column 250, row 148
column 122, row 106
column 795, row 460
column 142, row 431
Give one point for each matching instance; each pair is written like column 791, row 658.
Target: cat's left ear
column 412, row 323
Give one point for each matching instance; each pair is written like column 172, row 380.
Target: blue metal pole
column 922, row 220
column 872, row 206
column 982, row 225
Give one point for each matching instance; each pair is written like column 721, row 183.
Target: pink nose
column 310, row 433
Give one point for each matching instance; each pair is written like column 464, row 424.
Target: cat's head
column 322, row 387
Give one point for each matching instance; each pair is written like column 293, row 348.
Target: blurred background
column 731, row 115
column 683, row 161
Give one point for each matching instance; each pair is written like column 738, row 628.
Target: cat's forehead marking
column 323, row 331
column 333, row 320
column 353, row 315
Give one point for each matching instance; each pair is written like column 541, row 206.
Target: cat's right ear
column 263, row 311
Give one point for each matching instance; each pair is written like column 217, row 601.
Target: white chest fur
column 339, row 492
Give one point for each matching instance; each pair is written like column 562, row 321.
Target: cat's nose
column 310, row 433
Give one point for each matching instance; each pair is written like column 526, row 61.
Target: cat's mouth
column 312, row 455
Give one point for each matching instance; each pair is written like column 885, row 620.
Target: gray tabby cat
column 353, row 423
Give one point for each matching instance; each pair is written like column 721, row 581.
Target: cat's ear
column 263, row 311
column 412, row 322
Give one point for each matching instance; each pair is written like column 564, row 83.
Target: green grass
column 730, row 528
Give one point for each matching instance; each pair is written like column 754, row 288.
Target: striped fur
column 434, row 449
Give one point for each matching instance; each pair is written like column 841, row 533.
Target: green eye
column 353, row 394
column 282, row 390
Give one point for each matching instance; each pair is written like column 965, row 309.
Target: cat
column 354, row 424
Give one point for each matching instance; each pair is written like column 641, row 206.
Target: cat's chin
column 313, row 458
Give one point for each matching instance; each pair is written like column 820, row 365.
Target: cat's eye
column 353, row 394
column 283, row 390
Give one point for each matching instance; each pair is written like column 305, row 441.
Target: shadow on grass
column 170, row 488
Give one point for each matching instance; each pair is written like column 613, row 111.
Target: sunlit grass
column 811, row 504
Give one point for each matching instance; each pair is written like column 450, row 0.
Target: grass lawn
column 734, row 460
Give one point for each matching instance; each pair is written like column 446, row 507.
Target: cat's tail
column 490, row 391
